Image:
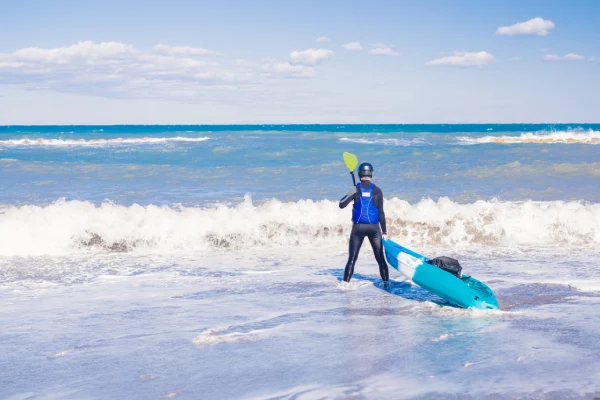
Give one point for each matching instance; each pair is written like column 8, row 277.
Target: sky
column 254, row 62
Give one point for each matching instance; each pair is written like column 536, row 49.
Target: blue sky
column 107, row 62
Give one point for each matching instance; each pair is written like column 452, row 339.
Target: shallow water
column 274, row 325
column 155, row 268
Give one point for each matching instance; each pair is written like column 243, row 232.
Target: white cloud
column 113, row 69
column 310, row 56
column 383, row 51
column 573, row 56
column 568, row 57
column 463, row 59
column 352, row 46
column 8, row 64
column 285, row 68
column 535, row 26
column 182, row 50
column 516, row 59
column 323, row 39
column 81, row 51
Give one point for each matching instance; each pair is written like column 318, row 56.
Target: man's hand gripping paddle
column 351, row 162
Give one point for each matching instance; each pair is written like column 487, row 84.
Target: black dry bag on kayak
column 447, row 264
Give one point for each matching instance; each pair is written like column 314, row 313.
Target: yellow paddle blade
column 351, row 161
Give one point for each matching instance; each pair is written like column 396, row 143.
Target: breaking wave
column 571, row 136
column 78, row 226
column 98, row 142
column 386, row 141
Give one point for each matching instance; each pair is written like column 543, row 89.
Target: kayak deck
column 466, row 292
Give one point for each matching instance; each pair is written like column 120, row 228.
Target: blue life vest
column 364, row 211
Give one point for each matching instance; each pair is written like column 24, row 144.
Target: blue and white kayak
column 465, row 292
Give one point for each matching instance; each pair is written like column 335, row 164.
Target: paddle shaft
column 353, row 178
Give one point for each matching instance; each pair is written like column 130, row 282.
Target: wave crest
column 571, row 136
column 98, row 142
column 385, row 141
column 76, row 226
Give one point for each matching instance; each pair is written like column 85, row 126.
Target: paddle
column 351, row 162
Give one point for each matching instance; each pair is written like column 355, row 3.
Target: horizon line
column 311, row 124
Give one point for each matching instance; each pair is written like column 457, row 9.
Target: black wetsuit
column 372, row 231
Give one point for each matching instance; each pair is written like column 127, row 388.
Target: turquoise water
column 290, row 162
column 205, row 262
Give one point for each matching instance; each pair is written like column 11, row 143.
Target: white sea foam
column 75, row 226
column 571, row 136
column 98, row 142
column 446, row 336
column 385, row 142
column 211, row 337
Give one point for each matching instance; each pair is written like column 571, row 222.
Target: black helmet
column 365, row 169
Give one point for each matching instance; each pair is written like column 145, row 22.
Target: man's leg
column 356, row 239
column 375, row 240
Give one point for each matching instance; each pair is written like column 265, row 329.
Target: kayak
column 466, row 291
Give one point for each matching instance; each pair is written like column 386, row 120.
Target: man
column 367, row 216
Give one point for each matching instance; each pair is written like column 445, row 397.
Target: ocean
column 205, row 262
